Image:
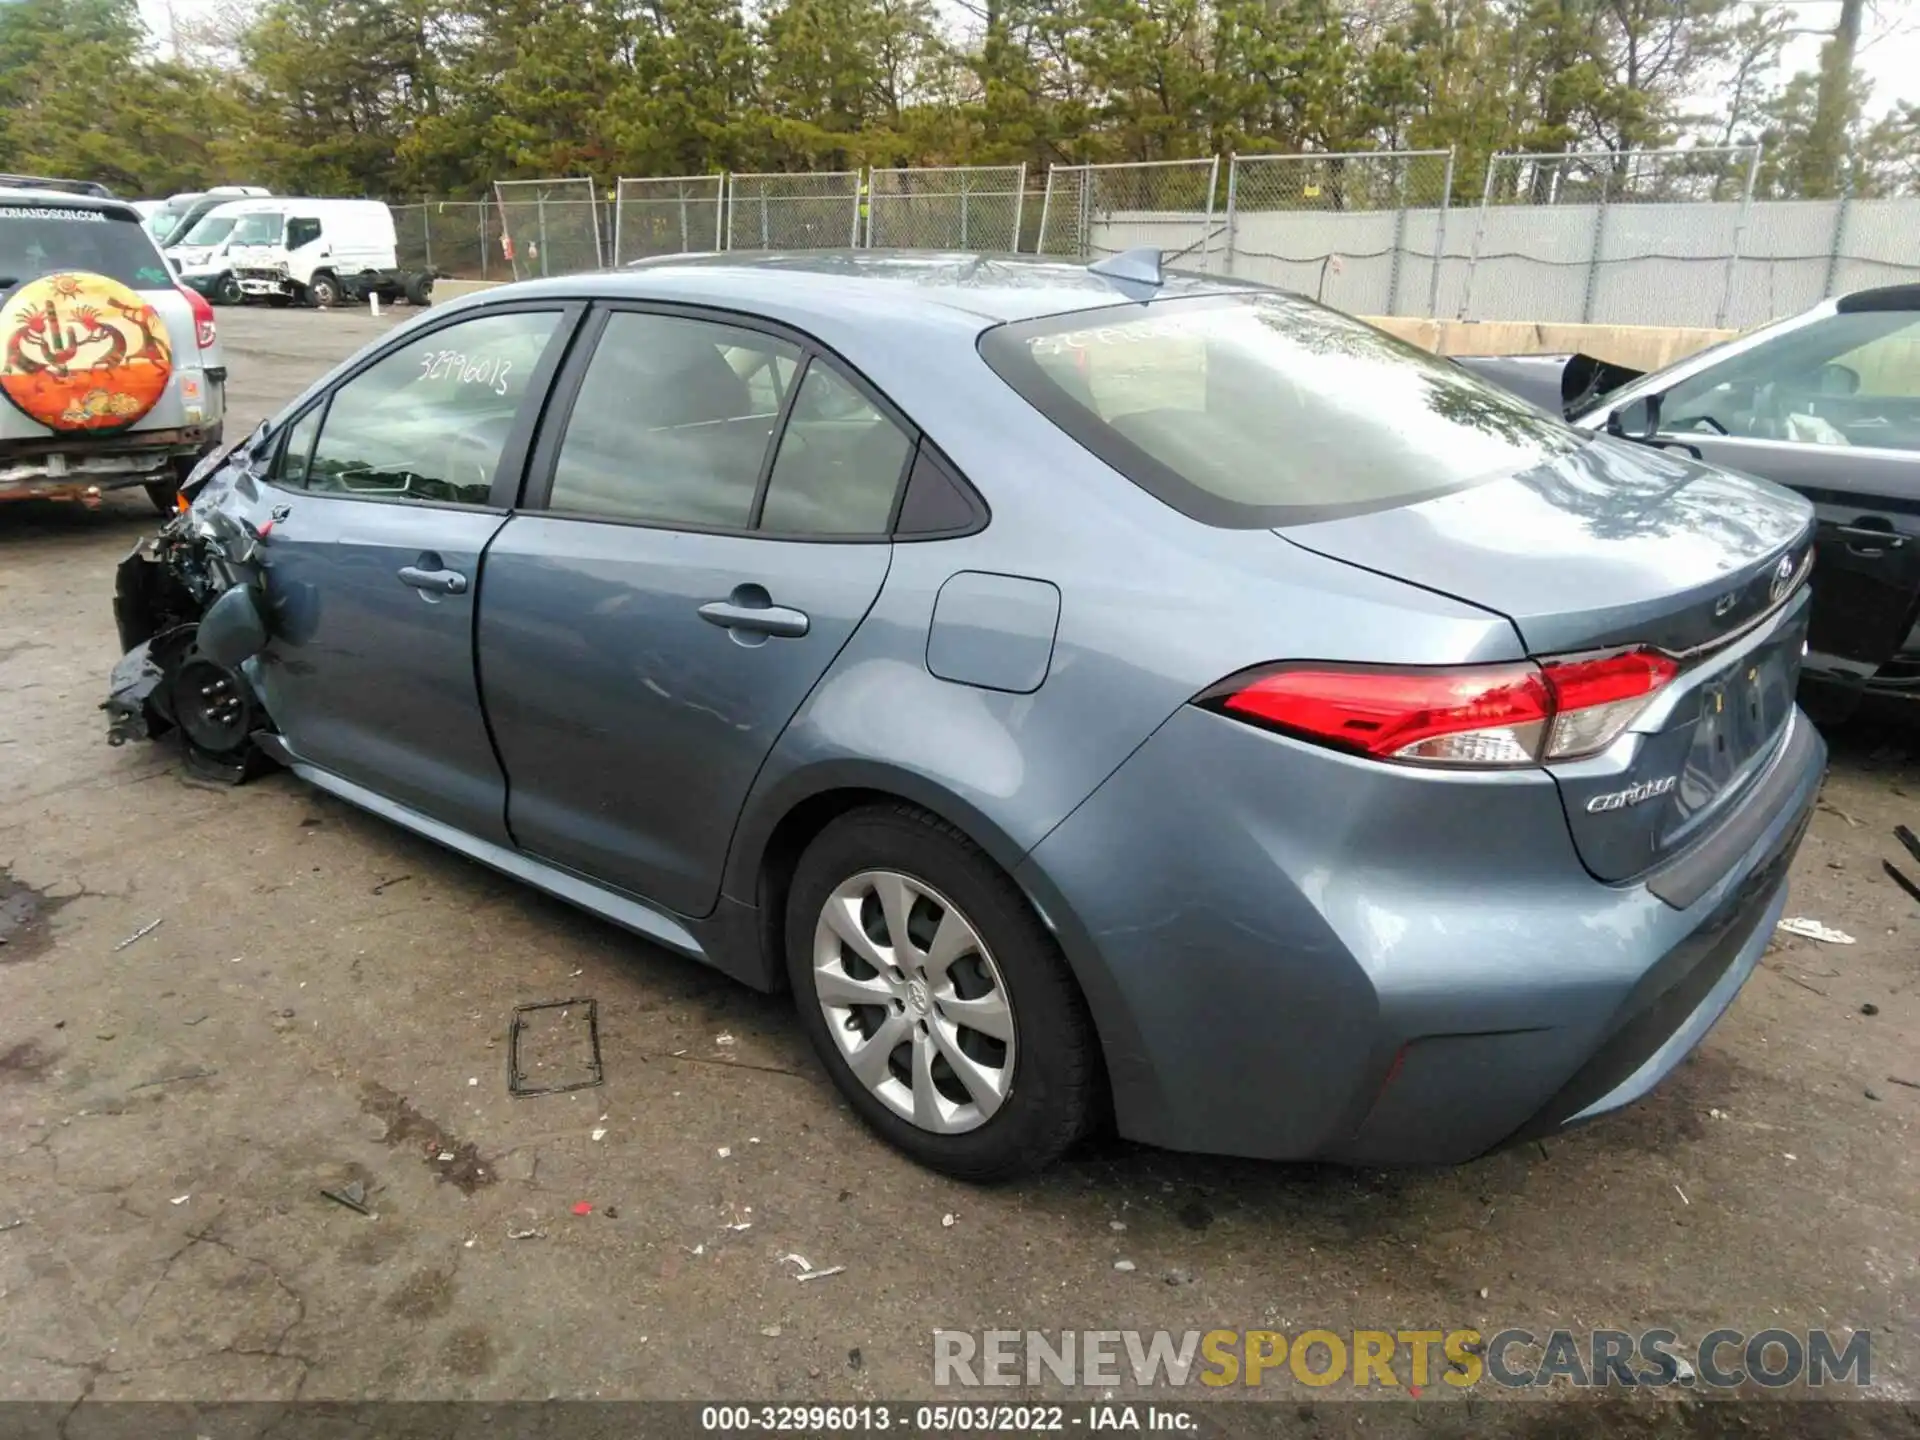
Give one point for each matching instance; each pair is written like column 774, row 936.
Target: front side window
column 1262, row 409
column 210, row 231
column 1847, row 379
column 429, row 421
column 672, row 422
column 302, row 232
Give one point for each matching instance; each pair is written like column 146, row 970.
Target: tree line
column 405, row 98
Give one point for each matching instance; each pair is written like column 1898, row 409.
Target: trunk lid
column 1619, row 545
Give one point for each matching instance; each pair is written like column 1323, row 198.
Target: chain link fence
column 671, row 215
column 1362, row 231
column 952, row 207
column 1643, row 236
column 1091, row 211
column 818, row 211
column 453, row 238
column 549, row 227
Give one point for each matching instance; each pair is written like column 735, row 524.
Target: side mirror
column 1636, row 420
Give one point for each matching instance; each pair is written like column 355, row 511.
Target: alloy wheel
column 914, row 1001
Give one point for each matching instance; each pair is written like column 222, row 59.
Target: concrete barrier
column 1644, row 347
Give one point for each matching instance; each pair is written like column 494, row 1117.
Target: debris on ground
column 353, row 1196
column 723, row 1040
column 1869, row 1009
column 1894, row 874
column 1676, row 1190
column 724, row 1151
column 1872, row 1094
column 948, row 1220
column 140, row 934
column 199, row 1072
column 1813, row 930
column 530, row 1232
column 1910, row 1084
column 1836, row 810
column 585, row 1207
column 772, row 1332
column 1125, row 1267
column 599, row 1132
column 11, row 1225
column 1178, row 1277
column 807, row 1272
column 1116, row 1226
column 180, row 1199
column 575, row 1061
column 611, row 1213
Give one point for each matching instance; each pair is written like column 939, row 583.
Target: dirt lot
column 325, row 999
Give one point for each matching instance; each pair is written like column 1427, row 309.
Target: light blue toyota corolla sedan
column 1097, row 695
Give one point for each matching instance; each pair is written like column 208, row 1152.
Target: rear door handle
column 438, row 582
column 1870, row 540
column 762, row 619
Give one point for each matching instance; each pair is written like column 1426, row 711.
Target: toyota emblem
column 1782, row 580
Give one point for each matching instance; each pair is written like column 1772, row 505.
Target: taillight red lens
column 1485, row 715
column 205, row 332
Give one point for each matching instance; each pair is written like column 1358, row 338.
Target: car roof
column 25, row 195
column 849, row 285
column 1885, row 297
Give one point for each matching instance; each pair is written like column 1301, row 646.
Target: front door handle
column 750, row 609
column 1870, row 540
column 436, row 582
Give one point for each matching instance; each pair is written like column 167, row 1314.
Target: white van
column 321, row 252
column 199, row 257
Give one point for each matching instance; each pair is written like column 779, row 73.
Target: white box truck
column 320, row 253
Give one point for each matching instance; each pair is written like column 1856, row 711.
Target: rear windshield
column 1262, row 409
column 210, row 231
column 37, row 239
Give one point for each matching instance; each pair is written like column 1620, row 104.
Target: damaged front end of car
column 191, row 607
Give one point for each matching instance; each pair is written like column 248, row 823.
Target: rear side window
column 38, row 239
column 1257, row 410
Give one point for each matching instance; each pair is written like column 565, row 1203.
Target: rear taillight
column 205, row 333
column 1488, row 715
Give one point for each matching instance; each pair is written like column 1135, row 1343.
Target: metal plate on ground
column 554, row 1046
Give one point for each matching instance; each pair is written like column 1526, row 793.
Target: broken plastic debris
column 1682, row 1194
column 180, row 1199
column 11, row 1225
column 822, row 1274
column 1116, row 1225
column 585, row 1207
column 473, row 1080
column 530, row 1233
column 947, row 1220
column 753, row 1139
column 446, row 1155
column 797, row 1259
column 723, row 1039
column 1813, row 930
column 1123, row 1266
column 599, row 1132
column 724, row 1151
column 353, row 1196
column 772, row 1332
column 699, row 1249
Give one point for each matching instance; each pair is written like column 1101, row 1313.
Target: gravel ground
column 325, row 1000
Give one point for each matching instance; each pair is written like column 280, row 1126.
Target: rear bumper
column 53, row 469
column 1290, row 954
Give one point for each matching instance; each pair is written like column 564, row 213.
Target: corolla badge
column 1782, row 579
column 1632, row 795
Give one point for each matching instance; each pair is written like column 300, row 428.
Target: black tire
column 226, row 290
column 1051, row 1099
column 323, row 291
column 420, row 290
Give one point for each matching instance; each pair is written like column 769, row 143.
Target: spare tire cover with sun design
column 82, row 352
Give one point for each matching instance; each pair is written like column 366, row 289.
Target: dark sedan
column 1827, row 403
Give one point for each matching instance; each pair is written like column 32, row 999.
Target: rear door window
column 839, row 465
column 673, row 422
column 1261, row 409
column 38, row 238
